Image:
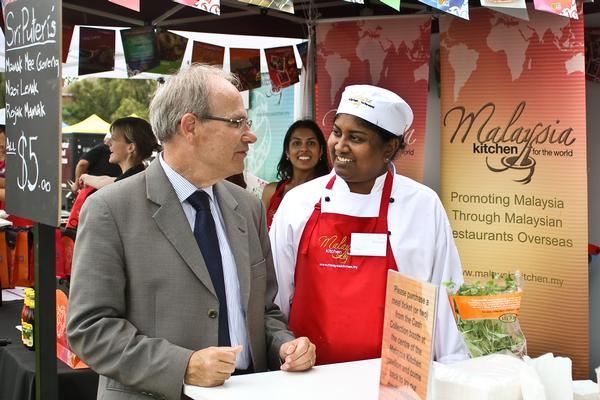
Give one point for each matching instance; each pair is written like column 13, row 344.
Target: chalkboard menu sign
column 33, row 87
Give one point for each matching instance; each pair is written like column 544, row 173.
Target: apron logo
column 337, row 248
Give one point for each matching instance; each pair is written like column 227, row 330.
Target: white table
column 358, row 380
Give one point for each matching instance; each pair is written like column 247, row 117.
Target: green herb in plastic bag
column 484, row 335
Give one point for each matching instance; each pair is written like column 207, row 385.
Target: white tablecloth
column 358, row 380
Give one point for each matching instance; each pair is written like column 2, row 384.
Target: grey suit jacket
column 141, row 294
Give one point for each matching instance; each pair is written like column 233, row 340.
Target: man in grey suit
column 147, row 310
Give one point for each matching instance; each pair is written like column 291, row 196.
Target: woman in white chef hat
column 332, row 294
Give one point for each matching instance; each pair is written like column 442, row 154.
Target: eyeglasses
column 238, row 123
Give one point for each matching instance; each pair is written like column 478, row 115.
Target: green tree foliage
column 108, row 98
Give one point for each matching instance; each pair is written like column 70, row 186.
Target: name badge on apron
column 368, row 244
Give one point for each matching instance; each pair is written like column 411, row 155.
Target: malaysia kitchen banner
column 96, row 50
column 279, row 5
column 283, row 71
column 211, row 6
column 245, row 63
column 210, row 54
column 513, row 167
column 170, row 48
column 392, row 53
column 131, row 4
column 139, row 47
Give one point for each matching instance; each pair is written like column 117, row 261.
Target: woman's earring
column 386, row 160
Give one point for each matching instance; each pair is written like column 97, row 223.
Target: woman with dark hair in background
column 303, row 159
column 131, row 143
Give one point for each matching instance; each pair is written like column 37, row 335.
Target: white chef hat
column 379, row 106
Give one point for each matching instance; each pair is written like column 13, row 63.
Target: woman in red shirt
column 303, row 159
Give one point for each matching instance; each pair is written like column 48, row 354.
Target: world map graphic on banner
column 384, row 53
column 514, row 42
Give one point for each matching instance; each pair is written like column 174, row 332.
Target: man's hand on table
column 211, row 366
column 298, row 354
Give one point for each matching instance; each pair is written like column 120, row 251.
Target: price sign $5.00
column 30, row 170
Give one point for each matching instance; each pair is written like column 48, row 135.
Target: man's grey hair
column 187, row 91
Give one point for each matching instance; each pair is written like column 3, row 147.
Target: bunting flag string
column 458, row 8
column 146, row 49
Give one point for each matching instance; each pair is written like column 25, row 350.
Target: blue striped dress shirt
column 237, row 326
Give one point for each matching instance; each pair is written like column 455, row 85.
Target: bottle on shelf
column 28, row 319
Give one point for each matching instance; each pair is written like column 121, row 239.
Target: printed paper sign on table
column 390, row 53
column 408, row 336
column 514, row 181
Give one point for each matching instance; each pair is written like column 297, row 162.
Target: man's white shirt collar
column 183, row 187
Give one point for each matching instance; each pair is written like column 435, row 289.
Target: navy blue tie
column 206, row 236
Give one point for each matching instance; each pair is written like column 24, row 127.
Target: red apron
column 338, row 298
